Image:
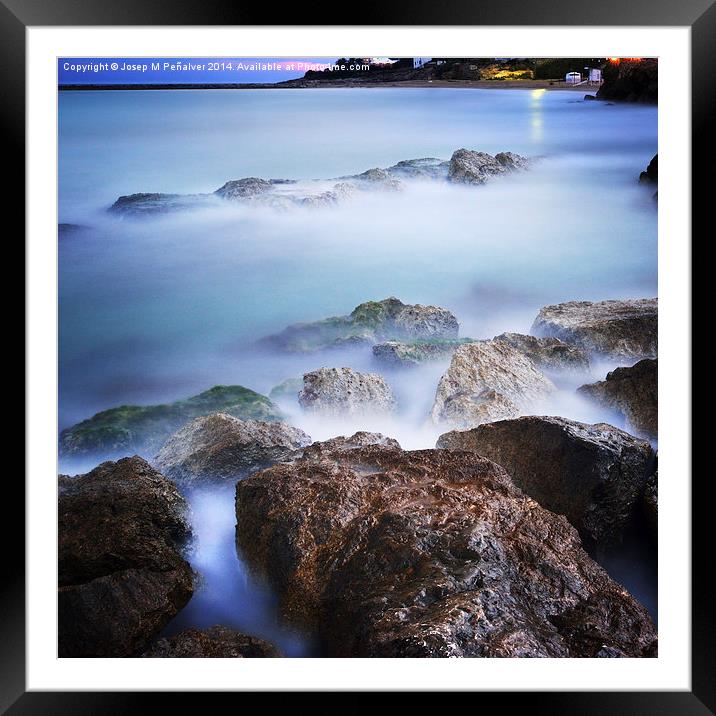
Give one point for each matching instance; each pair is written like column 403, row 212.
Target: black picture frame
column 699, row 15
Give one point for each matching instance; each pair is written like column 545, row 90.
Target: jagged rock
column 121, row 573
column 429, row 553
column 217, row 642
column 651, row 175
column 650, row 505
column 243, row 188
column 592, row 474
column 342, row 444
column 377, row 177
column 220, row 446
column 617, row 329
column 147, row 204
column 488, row 380
column 426, row 168
column 469, row 167
column 344, row 391
column 399, row 354
column 144, row 428
column 370, row 322
column 633, row 392
column 548, row 353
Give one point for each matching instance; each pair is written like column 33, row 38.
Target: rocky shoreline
column 474, row 548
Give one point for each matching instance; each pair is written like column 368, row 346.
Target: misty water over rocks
column 160, row 308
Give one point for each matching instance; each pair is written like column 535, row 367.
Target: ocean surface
column 156, row 309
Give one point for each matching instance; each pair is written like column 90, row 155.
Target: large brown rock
column 634, row 393
column 122, row 576
column 592, row 474
column 217, row 642
column 429, row 553
column 470, row 167
column 220, row 447
column 486, row 381
column 616, row 329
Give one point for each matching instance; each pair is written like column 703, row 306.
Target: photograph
column 357, row 357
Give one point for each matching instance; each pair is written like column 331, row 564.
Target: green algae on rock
column 144, row 428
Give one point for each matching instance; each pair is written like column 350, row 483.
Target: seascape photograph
column 357, row 357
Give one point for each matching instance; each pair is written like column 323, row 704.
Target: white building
column 420, row 61
column 595, row 76
column 573, row 78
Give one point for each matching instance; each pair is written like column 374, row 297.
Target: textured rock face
column 488, row 380
column 121, row 574
column 287, row 389
column 425, row 168
column 344, row 391
column 651, row 175
column 218, row 642
column 633, row 392
column 631, row 81
column 618, row 329
column 548, row 353
column 144, row 428
column 469, row 167
column 397, row 354
column 592, row 474
column 430, row 553
column 243, row 188
column 220, row 446
column 650, row 505
column 370, row 322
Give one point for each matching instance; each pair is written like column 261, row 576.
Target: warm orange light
column 617, row 60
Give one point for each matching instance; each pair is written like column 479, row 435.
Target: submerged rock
column 144, row 428
column 592, row 474
column 122, row 576
column 287, row 389
column 488, row 380
column 429, row 553
column 368, row 323
column 651, row 175
column 425, row 168
column 220, row 446
column 401, row 354
column 147, row 204
column 548, row 353
column 341, row 443
column 633, row 392
column 243, row 188
column 616, row 329
column 217, row 642
column 469, row 167
column 344, row 391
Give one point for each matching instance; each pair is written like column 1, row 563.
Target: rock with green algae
column 369, row 323
column 404, row 354
column 287, row 389
column 144, row 428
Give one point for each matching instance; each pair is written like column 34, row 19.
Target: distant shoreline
column 346, row 83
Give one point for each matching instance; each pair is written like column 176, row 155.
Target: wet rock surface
column 368, row 323
column 549, row 354
column 488, row 380
column 398, row 354
column 122, row 576
column 593, row 474
column 217, row 642
column 144, row 428
column 344, row 391
column 220, row 447
column 616, row 329
column 470, row 167
column 465, row 166
column 429, row 553
column 650, row 505
column 633, row 392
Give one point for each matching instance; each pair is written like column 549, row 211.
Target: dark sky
column 172, row 70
